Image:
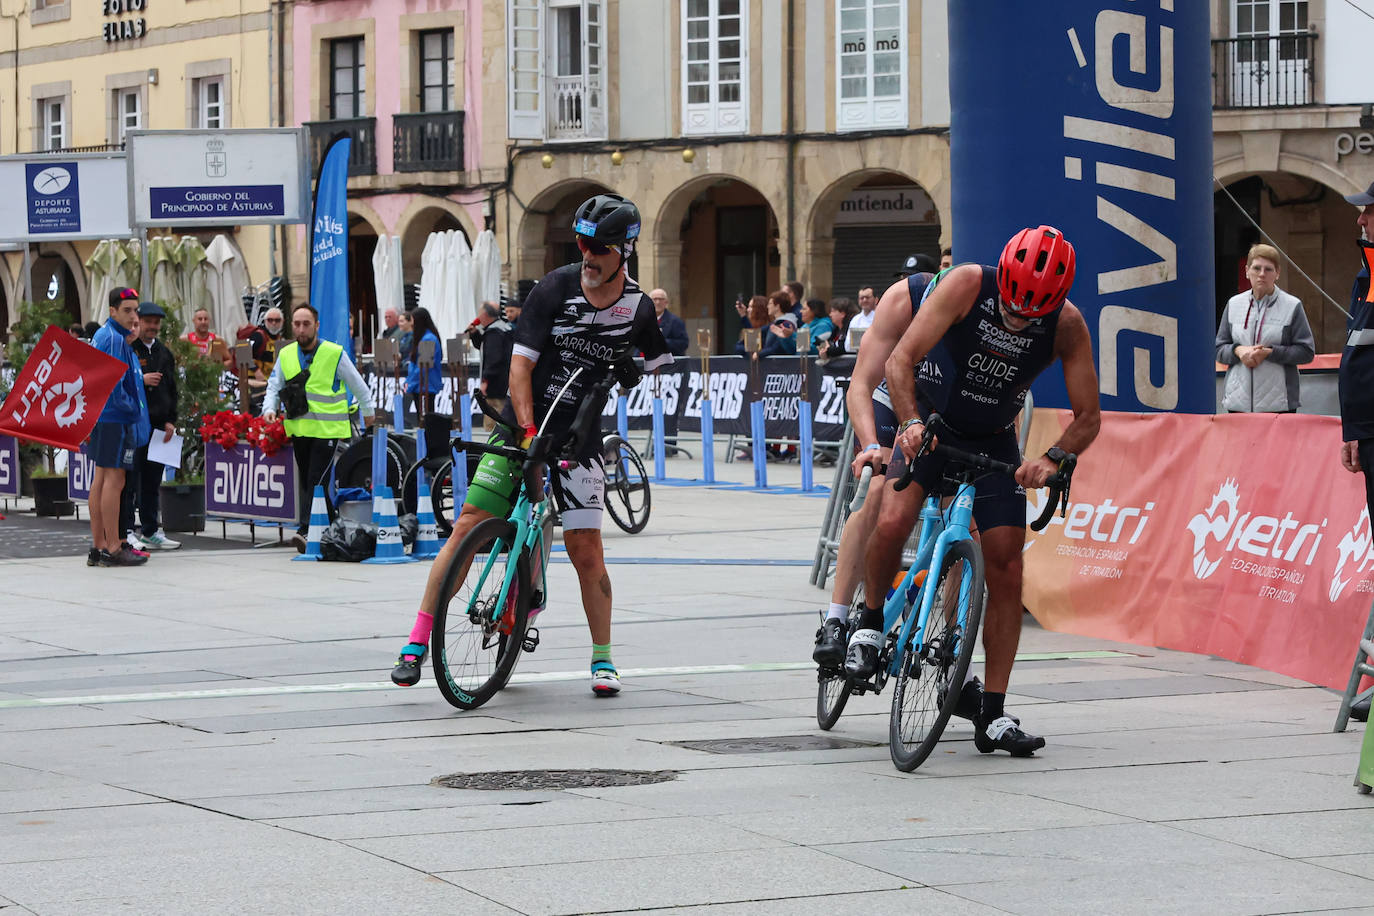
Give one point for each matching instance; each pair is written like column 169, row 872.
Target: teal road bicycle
column 931, row 618
column 499, row 571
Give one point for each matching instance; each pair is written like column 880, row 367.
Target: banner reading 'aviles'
column 1237, row 535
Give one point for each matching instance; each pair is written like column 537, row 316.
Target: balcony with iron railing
column 93, row 148
column 1277, row 71
column 362, row 157
column 429, row 141
column 575, row 108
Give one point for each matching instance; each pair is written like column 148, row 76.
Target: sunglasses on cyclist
column 591, row 247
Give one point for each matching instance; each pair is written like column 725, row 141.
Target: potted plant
column 198, row 396
column 38, row 463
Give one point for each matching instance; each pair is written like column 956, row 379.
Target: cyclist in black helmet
column 589, row 316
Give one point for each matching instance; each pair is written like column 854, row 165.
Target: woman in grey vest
column 1263, row 337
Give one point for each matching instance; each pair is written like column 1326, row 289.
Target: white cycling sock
column 838, row 612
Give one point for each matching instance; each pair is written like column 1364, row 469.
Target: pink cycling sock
column 424, row 623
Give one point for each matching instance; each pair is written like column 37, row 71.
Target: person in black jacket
column 495, row 337
column 143, row 482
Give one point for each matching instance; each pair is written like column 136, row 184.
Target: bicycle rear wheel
column 441, row 499
column 930, row 676
column 477, row 636
column 627, row 485
column 833, row 687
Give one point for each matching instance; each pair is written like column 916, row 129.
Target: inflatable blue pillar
column 758, row 433
column 378, row 457
column 660, row 447
column 622, row 417
column 804, row 447
column 708, row 443
column 1095, row 116
column 460, row 460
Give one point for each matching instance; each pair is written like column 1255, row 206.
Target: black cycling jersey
column 977, row 376
column 562, row 332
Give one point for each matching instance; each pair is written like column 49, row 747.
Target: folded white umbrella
column 461, row 302
column 486, row 268
column 386, row 273
column 227, row 280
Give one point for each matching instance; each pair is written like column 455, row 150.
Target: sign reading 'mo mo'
column 218, row 177
column 1094, row 116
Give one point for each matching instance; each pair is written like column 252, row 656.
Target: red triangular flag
column 61, row 392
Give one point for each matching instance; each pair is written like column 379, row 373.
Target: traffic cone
column 427, row 536
column 390, row 549
column 319, row 520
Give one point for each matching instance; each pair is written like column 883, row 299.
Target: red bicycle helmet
column 1035, row 272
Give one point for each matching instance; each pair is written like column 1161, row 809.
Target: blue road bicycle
column 928, row 652
column 499, row 571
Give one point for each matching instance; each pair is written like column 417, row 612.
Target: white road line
column 530, row 678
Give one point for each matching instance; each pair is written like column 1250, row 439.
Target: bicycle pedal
column 531, row 641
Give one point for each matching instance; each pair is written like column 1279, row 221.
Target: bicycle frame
column 939, row 529
column 528, row 519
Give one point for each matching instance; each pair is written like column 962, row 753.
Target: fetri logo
column 37, row 392
column 1356, row 545
column 1266, row 537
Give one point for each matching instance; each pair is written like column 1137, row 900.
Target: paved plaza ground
column 215, row 733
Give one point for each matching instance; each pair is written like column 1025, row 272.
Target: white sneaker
column 135, row 541
column 605, row 679
column 159, row 541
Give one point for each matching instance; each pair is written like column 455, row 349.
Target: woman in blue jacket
column 424, row 385
column 817, row 322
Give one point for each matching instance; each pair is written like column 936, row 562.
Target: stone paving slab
column 673, row 880
column 864, row 903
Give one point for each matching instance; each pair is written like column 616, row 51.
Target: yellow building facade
column 76, row 75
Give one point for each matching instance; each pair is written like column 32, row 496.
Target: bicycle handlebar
column 533, row 459
column 1058, row 482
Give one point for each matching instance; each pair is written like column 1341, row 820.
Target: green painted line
column 546, row 677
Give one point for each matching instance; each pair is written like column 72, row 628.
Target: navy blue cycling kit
column 976, row 378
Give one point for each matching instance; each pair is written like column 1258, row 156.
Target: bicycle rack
column 1364, row 666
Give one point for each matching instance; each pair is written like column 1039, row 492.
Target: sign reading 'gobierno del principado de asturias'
column 218, row 177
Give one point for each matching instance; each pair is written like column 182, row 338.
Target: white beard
column 591, row 280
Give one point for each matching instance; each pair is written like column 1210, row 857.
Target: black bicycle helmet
column 607, row 218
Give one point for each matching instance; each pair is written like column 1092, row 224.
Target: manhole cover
column 772, row 745
column 553, row 779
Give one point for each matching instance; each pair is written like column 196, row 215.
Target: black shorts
column 998, row 499
column 885, row 421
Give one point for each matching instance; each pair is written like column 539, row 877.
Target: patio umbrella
column 486, row 267
column 433, row 283
column 461, row 303
column 103, row 269
column 227, row 280
column 386, row 272
column 162, row 264
column 192, row 274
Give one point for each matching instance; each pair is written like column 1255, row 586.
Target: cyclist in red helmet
column 980, row 336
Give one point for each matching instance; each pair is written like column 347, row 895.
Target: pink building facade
column 402, row 78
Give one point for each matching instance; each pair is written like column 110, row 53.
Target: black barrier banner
column 777, row 380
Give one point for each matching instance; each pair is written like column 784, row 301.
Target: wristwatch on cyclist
column 907, row 424
column 1057, row 455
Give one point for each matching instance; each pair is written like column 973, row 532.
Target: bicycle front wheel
column 478, row 635
column 627, row 485
column 930, row 676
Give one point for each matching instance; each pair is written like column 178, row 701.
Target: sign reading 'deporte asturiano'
column 52, row 189
column 218, row 177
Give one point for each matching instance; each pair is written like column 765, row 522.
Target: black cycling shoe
column 406, row 671
column 861, row 661
column 1003, row 735
column 830, row 644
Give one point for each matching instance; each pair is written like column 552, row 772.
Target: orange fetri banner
column 1237, row 535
